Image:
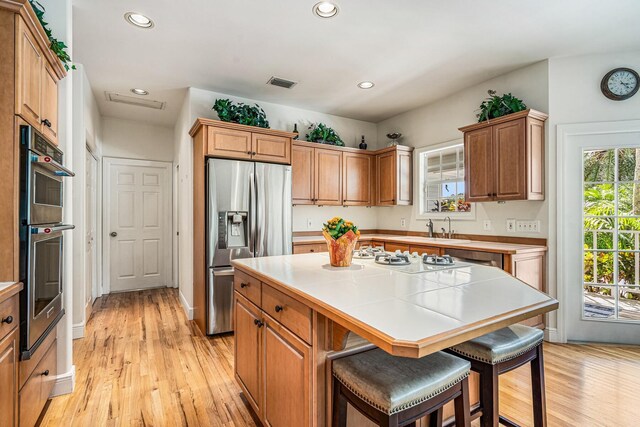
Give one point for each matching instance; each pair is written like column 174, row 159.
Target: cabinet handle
column 244, row 285
column 258, row 323
column 249, row 152
column 46, row 122
column 279, row 308
column 495, row 194
column 254, row 153
column 312, row 250
column 45, row 373
column 488, row 194
column 8, row 320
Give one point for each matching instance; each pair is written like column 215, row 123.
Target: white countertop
column 404, row 307
column 482, row 246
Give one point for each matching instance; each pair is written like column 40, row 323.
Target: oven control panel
column 43, row 147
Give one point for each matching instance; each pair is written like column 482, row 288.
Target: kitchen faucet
column 449, row 233
column 430, row 226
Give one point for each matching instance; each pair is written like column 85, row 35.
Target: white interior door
column 599, row 231
column 90, row 228
column 138, row 224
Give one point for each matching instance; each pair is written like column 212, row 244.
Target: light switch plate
column 511, row 226
column 487, row 225
column 403, row 222
column 309, row 224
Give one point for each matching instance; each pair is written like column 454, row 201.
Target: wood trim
column 9, row 291
column 200, row 122
column 199, row 254
column 351, row 149
column 24, row 9
column 413, row 349
column 526, row 113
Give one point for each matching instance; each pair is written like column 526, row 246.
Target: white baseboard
column 552, row 335
column 77, row 330
column 187, row 309
column 65, row 383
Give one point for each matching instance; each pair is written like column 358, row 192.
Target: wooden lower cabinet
column 429, row 250
column 9, row 379
column 273, row 367
column 37, row 389
column 530, row 268
column 392, row 247
column 287, row 377
column 310, row 248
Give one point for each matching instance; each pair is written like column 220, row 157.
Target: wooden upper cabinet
column 357, row 171
column 247, row 360
column 231, row 143
column 29, row 75
column 394, row 176
column 287, row 377
column 270, row 148
column 328, row 177
column 504, row 158
column 478, row 165
column 386, row 178
column 302, row 163
column 49, row 111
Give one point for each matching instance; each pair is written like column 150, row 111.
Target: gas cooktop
column 413, row 263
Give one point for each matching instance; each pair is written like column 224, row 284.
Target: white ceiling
column 415, row 51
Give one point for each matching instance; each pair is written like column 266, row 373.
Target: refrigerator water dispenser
column 232, row 229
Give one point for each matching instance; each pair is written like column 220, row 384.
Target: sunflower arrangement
column 337, row 227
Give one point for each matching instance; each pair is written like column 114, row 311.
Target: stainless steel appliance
column 248, row 215
column 41, row 238
column 475, row 257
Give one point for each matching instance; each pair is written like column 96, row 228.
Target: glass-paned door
column 611, row 234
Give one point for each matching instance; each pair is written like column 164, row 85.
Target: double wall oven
column 41, row 238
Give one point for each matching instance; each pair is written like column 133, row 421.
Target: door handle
column 113, row 234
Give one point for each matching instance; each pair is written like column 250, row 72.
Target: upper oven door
column 45, row 200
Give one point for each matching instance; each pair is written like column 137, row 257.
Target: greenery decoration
column 498, row 106
column 337, row 227
column 58, row 47
column 323, row 133
column 250, row 115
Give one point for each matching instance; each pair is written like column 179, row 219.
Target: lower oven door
column 43, row 287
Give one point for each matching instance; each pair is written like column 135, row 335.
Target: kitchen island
column 294, row 313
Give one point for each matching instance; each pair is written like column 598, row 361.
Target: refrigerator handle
column 253, row 203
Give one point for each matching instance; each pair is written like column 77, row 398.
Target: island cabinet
column 394, row 176
column 504, row 158
column 273, row 360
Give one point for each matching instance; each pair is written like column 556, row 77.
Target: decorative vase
column 341, row 249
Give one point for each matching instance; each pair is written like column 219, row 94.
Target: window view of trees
column 611, row 214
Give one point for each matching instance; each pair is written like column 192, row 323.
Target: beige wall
column 134, row 140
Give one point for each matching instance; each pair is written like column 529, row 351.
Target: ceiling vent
column 137, row 101
column 277, row 81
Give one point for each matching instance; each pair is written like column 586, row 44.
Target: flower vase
column 341, row 249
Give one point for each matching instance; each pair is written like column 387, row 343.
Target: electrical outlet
column 535, row 228
column 511, row 226
column 403, row 222
column 487, row 225
column 309, row 223
column 528, row 226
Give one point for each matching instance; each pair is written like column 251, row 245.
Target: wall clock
column 620, row 84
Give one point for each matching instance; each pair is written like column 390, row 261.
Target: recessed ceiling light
column 138, row 20
column 140, row 91
column 366, row 85
column 325, row 9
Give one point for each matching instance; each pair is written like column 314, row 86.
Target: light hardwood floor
column 142, row 363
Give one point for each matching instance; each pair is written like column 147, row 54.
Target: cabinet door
column 509, row 154
column 50, row 104
column 328, row 177
column 427, row 250
column 386, row 178
column 357, row 170
column 310, row 248
column 29, row 63
column 9, row 380
column 287, row 377
column 248, row 348
column 392, row 247
column 269, row 148
column 228, row 143
column 302, row 164
column 404, row 176
column 478, row 165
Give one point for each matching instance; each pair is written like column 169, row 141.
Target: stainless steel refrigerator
column 248, row 215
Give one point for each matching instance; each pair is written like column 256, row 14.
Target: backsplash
column 363, row 217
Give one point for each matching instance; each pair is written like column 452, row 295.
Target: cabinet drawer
column 247, row 286
column 429, row 250
column 392, row 247
column 310, row 248
column 37, row 389
column 294, row 315
column 9, row 312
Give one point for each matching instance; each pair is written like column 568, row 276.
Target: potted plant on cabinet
column 498, row 106
column 250, row 115
column 323, row 134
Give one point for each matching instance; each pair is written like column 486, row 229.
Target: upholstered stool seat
column 501, row 345
column 500, row 352
column 397, row 390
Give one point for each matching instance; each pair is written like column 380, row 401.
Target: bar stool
column 497, row 353
column 396, row 391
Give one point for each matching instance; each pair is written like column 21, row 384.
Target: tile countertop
column 8, row 289
column 405, row 314
column 496, row 247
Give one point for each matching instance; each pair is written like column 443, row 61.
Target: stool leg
column 461, row 406
column 537, row 386
column 435, row 419
column 489, row 396
column 339, row 406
